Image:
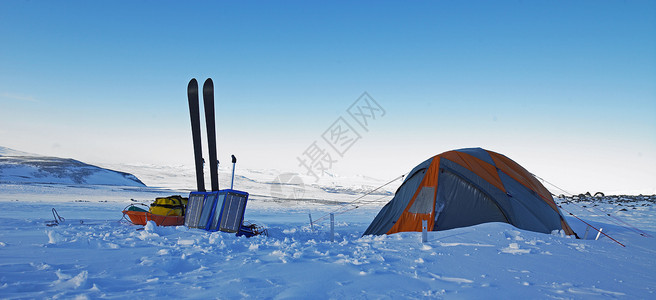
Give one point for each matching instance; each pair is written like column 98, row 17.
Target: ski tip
column 192, row 84
column 208, row 82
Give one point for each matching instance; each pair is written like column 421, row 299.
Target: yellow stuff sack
column 169, row 206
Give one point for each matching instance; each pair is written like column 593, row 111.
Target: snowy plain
column 95, row 254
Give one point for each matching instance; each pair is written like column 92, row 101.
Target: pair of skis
column 215, row 210
column 194, row 112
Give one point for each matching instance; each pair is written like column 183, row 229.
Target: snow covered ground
column 93, row 254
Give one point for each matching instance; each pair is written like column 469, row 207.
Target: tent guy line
column 612, row 218
column 339, row 209
column 595, row 228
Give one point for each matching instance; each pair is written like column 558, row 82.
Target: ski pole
column 234, row 162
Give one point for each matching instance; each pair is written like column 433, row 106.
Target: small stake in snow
column 332, row 227
column 424, row 231
column 599, row 233
column 587, row 230
column 234, row 162
column 311, row 224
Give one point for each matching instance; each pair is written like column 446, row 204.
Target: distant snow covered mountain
column 4, row 151
column 22, row 167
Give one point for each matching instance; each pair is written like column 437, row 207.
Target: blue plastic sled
column 218, row 211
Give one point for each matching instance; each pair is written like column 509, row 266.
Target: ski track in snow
column 93, row 255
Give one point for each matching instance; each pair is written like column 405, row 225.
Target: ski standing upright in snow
column 208, row 101
column 194, row 113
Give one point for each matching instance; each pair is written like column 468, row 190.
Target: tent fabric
column 467, row 187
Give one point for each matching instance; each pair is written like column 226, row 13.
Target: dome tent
column 466, row 187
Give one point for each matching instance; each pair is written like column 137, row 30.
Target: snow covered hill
column 26, row 168
column 4, row 151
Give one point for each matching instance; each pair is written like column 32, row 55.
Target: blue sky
column 567, row 89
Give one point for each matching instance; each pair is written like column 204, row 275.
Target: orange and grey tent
column 468, row 187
